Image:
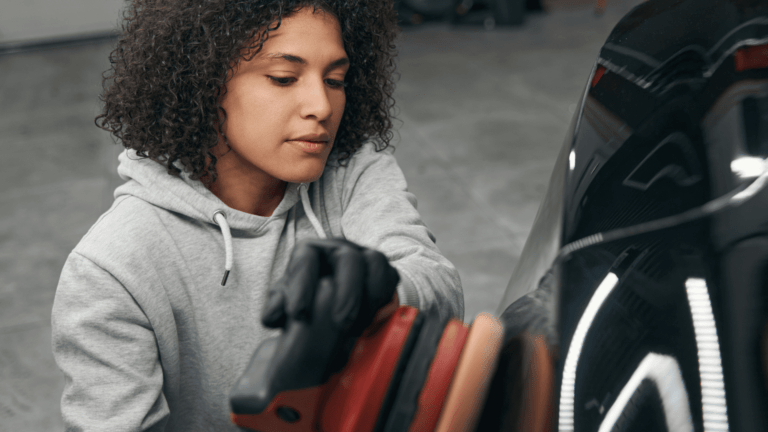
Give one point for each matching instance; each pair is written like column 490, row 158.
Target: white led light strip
column 568, row 384
column 710, row 367
column 664, row 372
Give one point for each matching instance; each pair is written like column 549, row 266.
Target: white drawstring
column 308, row 210
column 220, row 219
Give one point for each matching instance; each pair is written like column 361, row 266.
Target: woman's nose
column 317, row 101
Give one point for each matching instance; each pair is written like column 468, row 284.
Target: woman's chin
column 305, row 176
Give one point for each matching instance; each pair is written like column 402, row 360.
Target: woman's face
column 284, row 105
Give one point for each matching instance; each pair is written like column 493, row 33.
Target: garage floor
column 482, row 115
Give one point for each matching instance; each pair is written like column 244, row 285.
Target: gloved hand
column 362, row 281
column 329, row 295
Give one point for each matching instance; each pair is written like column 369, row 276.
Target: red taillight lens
column 754, row 57
column 598, row 74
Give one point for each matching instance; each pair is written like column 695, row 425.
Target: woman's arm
column 105, row 346
column 378, row 212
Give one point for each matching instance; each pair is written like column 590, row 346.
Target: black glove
column 362, row 279
column 328, row 296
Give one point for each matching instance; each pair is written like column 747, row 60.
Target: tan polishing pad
column 473, row 376
column 537, row 413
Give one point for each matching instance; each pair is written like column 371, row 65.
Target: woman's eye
column 282, row 80
column 335, row 83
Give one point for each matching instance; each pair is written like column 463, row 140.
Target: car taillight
column 753, row 57
column 598, row 74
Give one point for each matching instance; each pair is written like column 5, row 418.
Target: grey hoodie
column 146, row 335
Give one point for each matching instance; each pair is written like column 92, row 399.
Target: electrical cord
column 734, row 198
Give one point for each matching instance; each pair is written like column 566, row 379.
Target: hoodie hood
column 150, row 182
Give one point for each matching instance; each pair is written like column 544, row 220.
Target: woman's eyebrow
column 298, row 60
column 340, row 62
column 289, row 57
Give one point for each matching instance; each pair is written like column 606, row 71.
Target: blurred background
column 484, row 100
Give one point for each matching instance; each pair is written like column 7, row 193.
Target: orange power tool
column 409, row 371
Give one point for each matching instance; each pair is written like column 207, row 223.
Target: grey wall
column 30, row 20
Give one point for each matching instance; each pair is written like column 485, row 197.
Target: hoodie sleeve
column 378, row 212
column 105, row 346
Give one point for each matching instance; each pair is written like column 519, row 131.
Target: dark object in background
column 415, row 12
column 487, row 13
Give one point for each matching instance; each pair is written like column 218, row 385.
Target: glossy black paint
column 668, row 125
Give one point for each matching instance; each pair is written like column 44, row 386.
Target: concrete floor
column 482, row 115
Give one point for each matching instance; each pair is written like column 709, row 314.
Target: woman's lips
column 313, row 147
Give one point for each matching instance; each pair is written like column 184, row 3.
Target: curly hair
column 174, row 57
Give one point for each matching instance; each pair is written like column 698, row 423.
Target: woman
column 249, row 126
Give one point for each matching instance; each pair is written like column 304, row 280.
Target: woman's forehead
column 303, row 36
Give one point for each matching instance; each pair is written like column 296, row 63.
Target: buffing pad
column 472, row 377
